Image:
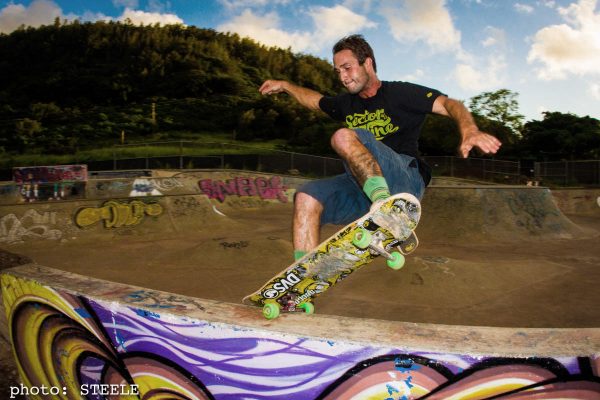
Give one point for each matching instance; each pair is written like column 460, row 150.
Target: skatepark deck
column 497, row 258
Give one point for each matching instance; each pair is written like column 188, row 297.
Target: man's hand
column 307, row 97
column 272, row 87
column 487, row 143
column 471, row 135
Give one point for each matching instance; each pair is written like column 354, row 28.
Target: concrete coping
column 446, row 339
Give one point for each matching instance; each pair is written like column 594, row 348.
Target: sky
column 547, row 51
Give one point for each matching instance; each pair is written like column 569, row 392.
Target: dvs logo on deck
column 281, row 286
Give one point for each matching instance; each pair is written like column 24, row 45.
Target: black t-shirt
column 395, row 115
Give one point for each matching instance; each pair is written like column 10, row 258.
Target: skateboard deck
column 388, row 225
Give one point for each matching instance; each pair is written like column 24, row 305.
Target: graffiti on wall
column 72, row 342
column 137, row 187
column 31, row 225
column 264, row 188
column 48, row 174
column 51, row 182
column 117, row 214
column 144, row 187
column 154, row 186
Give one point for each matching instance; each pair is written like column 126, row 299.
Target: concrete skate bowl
column 496, row 213
column 148, row 294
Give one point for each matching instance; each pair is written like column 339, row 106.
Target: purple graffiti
column 94, row 342
column 266, row 189
column 49, row 174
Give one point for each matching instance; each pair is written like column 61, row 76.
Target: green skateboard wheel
column 271, row 310
column 397, row 261
column 362, row 238
column 308, row 308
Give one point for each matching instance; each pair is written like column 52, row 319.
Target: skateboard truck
column 272, row 309
column 363, row 239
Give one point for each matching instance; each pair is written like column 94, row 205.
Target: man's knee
column 342, row 138
column 305, row 202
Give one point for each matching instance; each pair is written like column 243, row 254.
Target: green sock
column 376, row 188
column 298, row 254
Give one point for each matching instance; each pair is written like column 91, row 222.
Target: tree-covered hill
column 80, row 84
column 71, row 86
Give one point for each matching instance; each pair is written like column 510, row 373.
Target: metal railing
column 201, row 155
column 569, row 173
column 222, row 155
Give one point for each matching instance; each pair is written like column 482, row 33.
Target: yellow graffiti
column 52, row 335
column 116, row 214
column 42, row 321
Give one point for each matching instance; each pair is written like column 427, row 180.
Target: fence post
column 222, row 155
column 114, row 159
column 180, row 154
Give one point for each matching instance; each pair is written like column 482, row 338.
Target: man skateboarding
column 379, row 146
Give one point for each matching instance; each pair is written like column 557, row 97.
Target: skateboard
column 389, row 224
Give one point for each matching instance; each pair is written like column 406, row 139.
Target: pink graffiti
column 266, row 189
column 48, row 174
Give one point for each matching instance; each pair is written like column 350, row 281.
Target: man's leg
column 306, row 224
column 363, row 166
column 337, row 200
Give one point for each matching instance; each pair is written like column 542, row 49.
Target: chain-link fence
column 569, row 173
column 202, row 155
column 486, row 169
column 194, row 155
column 275, row 161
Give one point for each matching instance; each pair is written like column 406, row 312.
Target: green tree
column 27, row 132
column 500, row 106
column 562, row 136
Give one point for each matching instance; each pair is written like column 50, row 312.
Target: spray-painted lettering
column 117, row 214
column 266, row 189
column 31, row 225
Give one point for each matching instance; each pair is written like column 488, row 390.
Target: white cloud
column 483, row 76
column 44, row 12
column 572, row 48
column 244, row 4
column 427, row 21
column 157, row 6
column 365, row 6
column 125, row 3
column 331, row 23
column 39, row 12
column 496, row 37
column 547, row 3
column 523, row 8
column 541, row 109
column 594, row 91
column 93, row 17
column 138, row 17
column 266, row 29
column 414, row 77
column 335, row 22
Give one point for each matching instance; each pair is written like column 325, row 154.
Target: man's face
column 353, row 75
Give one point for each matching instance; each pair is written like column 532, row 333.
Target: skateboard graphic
column 389, row 224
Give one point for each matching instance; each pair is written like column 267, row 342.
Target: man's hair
column 359, row 46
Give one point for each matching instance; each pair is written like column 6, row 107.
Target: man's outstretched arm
column 307, row 97
column 470, row 133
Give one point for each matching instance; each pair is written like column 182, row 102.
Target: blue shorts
column 342, row 197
